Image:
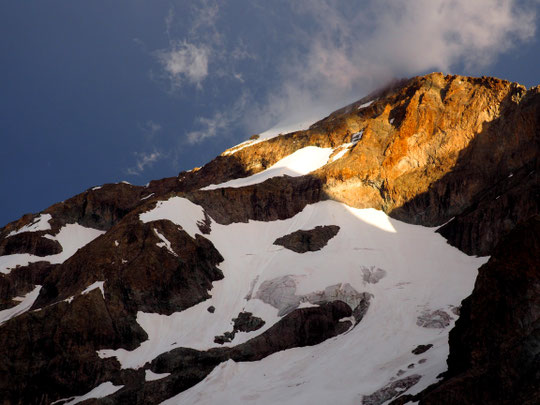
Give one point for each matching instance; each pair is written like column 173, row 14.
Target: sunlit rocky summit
column 387, row 254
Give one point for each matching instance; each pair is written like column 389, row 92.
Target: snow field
column 423, row 273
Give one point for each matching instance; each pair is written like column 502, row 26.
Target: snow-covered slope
column 211, row 287
column 301, row 162
column 71, row 237
column 416, row 279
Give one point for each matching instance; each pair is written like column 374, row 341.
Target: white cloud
column 184, row 61
column 144, row 160
column 334, row 52
column 348, row 50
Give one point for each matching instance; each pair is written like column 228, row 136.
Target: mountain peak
column 184, row 289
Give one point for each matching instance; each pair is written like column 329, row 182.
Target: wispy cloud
column 219, row 122
column 349, row 50
column 187, row 60
column 144, row 160
column 149, row 129
column 184, row 61
column 333, row 52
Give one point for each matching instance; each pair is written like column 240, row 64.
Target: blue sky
column 99, row 92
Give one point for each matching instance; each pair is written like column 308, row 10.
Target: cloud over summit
column 279, row 63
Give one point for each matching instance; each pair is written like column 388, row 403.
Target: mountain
column 336, row 264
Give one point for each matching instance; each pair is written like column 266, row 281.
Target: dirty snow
column 41, row 223
column 357, row 137
column 101, row 391
column 93, row 286
column 25, row 304
column 299, row 163
column 71, row 237
column 422, row 273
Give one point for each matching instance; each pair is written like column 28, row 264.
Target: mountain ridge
column 452, row 152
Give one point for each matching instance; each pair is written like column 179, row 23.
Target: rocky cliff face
column 496, row 341
column 77, row 279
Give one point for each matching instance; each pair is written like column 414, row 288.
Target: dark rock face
column 308, row 241
column 22, row 280
column 245, row 322
column 44, row 349
column 138, row 273
column 496, row 212
column 29, row 242
column 495, row 346
column 302, row 327
column 421, row 349
column 276, row 198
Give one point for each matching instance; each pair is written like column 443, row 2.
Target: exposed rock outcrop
column 302, row 241
column 245, row 322
column 391, row 390
column 494, row 348
column 29, row 242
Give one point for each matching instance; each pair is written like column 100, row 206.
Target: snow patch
column 165, row 243
column 299, row 163
column 96, row 188
column 178, row 210
column 71, row 237
column 101, row 391
column 26, row 303
column 93, row 286
column 41, row 223
column 307, row 304
column 149, row 375
column 366, row 104
column 240, row 146
column 148, row 196
column 344, row 149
